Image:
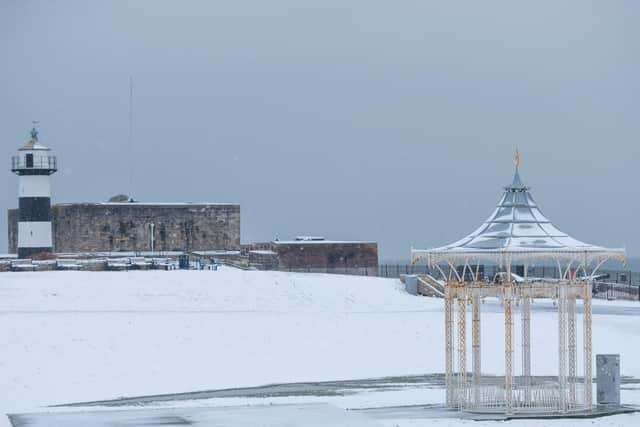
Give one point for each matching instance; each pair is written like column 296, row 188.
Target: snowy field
column 83, row 336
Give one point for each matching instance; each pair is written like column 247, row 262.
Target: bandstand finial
column 517, row 158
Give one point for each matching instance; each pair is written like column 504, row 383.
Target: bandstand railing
column 541, row 397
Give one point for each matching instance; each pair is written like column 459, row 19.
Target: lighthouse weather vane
column 34, row 131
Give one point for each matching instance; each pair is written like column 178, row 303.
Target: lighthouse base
column 29, row 252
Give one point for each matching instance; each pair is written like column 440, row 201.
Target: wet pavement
column 318, row 389
column 309, row 415
column 200, row 408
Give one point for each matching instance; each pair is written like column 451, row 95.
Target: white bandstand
column 517, row 233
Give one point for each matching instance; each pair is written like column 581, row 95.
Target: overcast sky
column 391, row 121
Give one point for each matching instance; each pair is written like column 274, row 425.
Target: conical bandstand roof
column 517, row 228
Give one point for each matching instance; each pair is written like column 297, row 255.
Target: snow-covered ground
column 82, row 336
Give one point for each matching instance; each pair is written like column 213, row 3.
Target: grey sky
column 391, row 121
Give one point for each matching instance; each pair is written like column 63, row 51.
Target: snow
column 136, row 203
column 319, row 242
column 95, row 256
column 216, row 252
column 70, row 336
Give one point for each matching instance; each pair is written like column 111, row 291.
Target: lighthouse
column 34, row 165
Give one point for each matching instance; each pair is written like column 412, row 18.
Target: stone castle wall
column 333, row 255
column 322, row 256
column 12, row 235
column 102, row 227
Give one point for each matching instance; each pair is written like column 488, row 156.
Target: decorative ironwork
column 462, row 339
column 508, row 347
column 571, row 349
column 523, row 392
column 475, row 343
column 448, row 326
column 588, row 374
column 562, row 345
column 526, row 344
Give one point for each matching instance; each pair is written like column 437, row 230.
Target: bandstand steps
column 429, row 286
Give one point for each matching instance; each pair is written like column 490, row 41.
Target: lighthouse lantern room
column 34, row 164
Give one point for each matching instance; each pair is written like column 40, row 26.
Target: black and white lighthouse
column 34, row 164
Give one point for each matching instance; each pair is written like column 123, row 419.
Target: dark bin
column 183, row 262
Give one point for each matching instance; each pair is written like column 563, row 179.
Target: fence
column 489, row 271
column 395, row 270
column 610, row 284
column 353, row 271
column 610, row 291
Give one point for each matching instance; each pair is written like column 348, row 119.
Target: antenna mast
column 130, row 137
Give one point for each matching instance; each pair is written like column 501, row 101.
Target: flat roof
column 319, row 242
column 263, row 252
column 216, row 252
column 167, row 204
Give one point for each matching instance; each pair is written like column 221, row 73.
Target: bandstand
column 517, row 234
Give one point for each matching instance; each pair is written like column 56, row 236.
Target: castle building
column 34, row 164
column 316, row 254
column 38, row 227
column 139, row 227
column 122, row 225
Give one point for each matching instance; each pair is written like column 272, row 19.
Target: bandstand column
column 526, row 345
column 571, row 335
column 477, row 369
column 562, row 345
column 448, row 325
column 586, row 318
column 508, row 342
column 462, row 344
